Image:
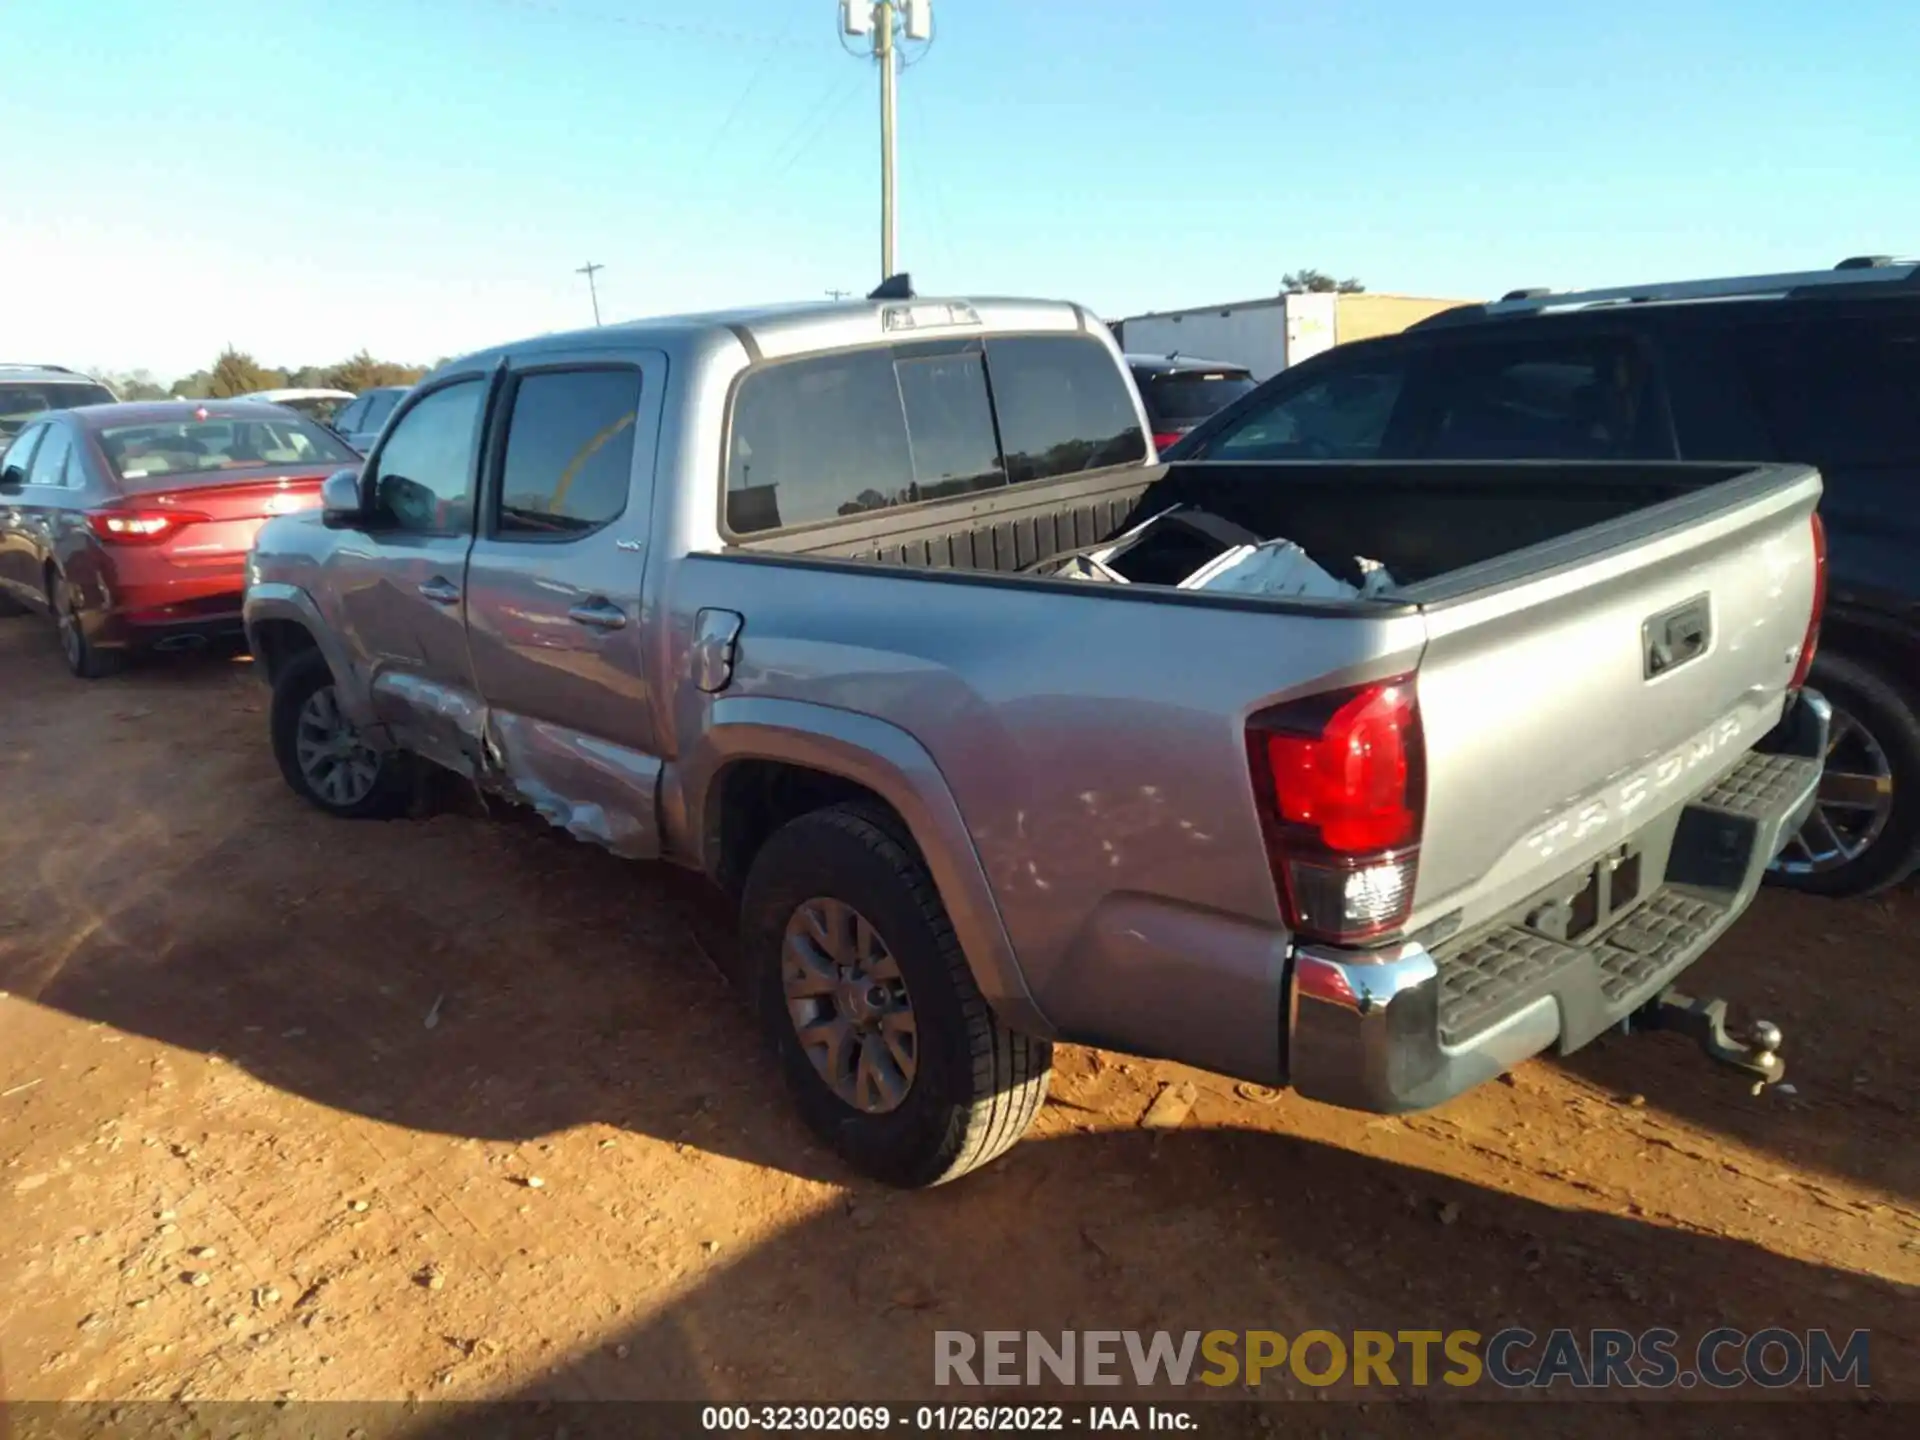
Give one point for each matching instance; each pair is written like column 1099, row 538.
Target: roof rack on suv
column 1854, row 272
column 19, row 365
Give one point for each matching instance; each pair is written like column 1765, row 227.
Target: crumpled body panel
column 592, row 789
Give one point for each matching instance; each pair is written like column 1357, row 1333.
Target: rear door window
column 1575, row 399
column 569, row 458
column 1838, row 391
column 1346, row 414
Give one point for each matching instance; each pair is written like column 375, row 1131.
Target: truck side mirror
column 341, row 504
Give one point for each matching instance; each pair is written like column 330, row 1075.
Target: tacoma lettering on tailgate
column 1652, row 785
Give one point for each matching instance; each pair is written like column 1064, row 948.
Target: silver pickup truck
column 764, row 594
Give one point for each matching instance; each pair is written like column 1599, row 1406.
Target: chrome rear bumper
column 1404, row 1028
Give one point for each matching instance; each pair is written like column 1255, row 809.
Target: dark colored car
column 29, row 391
column 361, row 419
column 1822, row 367
column 1179, row 392
column 131, row 523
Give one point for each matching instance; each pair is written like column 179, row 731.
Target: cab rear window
column 827, row 437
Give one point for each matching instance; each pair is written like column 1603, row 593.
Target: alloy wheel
column 332, row 757
column 849, row 1005
column 1854, row 804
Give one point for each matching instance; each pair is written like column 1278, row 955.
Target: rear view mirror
column 341, row 506
column 13, row 478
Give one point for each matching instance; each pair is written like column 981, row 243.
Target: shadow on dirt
column 387, row 983
column 1276, row 1232
column 1842, row 980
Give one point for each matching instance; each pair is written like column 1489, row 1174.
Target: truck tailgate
column 1572, row 691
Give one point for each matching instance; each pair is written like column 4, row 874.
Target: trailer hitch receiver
column 1705, row 1023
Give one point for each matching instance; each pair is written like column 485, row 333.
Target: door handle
column 600, row 614
column 440, row 590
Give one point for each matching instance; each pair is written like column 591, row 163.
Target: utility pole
column 838, row 294
column 859, row 17
column 889, row 137
column 589, row 270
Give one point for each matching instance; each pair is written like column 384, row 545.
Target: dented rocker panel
column 592, row 788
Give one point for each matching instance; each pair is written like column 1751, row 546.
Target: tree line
column 235, row 372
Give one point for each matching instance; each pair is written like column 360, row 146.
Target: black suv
column 1822, row 368
column 1179, row 392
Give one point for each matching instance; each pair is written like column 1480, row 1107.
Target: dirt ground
column 457, row 1108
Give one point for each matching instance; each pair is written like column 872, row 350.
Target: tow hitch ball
column 1705, row 1023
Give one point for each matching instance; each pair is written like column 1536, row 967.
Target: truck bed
column 1423, row 520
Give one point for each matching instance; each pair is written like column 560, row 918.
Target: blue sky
column 422, row 177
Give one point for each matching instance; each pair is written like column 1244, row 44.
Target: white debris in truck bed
column 1282, row 568
column 1246, row 566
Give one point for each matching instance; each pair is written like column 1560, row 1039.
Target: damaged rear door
column 554, row 584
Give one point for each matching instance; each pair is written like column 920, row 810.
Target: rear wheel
column 83, row 658
column 892, row 1054
column 322, row 755
column 1864, row 832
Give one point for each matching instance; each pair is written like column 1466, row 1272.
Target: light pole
column 878, row 18
column 589, row 270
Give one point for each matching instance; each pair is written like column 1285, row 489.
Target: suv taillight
column 1812, row 641
column 1340, row 781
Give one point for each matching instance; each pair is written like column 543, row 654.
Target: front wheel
column 1864, row 832
column 892, row 1055
column 321, row 754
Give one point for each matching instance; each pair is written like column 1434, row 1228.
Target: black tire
column 84, row 659
column 977, row 1085
column 1887, row 724
column 304, row 675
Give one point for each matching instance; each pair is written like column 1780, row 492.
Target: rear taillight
column 1340, row 780
column 1812, row 642
column 1163, row 438
column 140, row 527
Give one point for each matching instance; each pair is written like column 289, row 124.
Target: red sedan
column 130, row 524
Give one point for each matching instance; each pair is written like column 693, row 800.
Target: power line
column 829, row 105
column 753, row 83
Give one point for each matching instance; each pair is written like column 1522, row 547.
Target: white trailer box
column 1270, row 334
column 1266, row 336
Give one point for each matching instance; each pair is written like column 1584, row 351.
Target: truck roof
column 774, row 331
